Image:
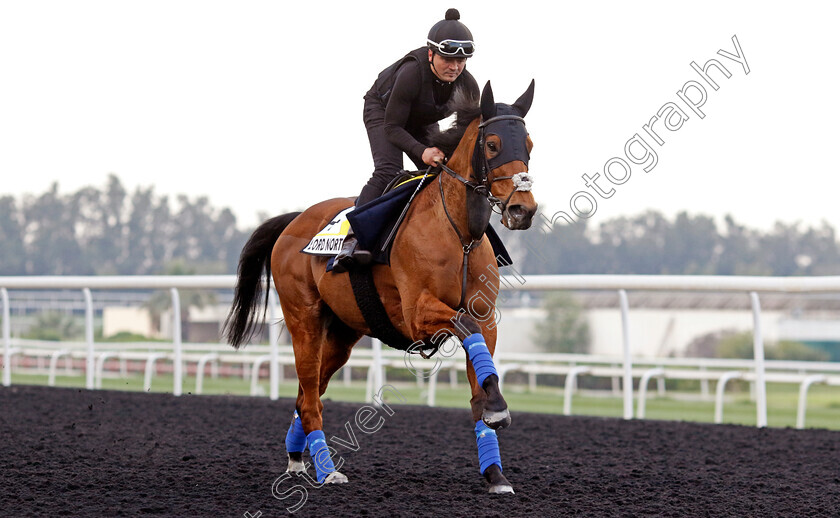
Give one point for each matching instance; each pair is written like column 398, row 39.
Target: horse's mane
column 467, row 108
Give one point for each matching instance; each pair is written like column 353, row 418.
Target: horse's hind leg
column 338, row 344
column 322, row 345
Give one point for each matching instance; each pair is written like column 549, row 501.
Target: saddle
column 375, row 224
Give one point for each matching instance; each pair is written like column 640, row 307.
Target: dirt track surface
column 70, row 452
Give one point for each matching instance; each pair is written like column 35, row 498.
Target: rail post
column 758, row 352
column 571, row 382
column 91, row 360
column 54, row 364
column 719, row 390
column 178, row 366
column 803, row 398
column 658, row 372
column 199, row 371
column 376, row 345
column 628, row 360
column 431, row 393
column 7, row 339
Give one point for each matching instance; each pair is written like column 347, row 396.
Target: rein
column 482, row 187
column 467, row 247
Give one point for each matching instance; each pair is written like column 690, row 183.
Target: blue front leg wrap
column 480, row 357
column 296, row 437
column 320, row 454
column 488, row 446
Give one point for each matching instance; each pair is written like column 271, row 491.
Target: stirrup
column 362, row 257
column 351, row 255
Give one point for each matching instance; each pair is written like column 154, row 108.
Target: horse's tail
column 253, row 262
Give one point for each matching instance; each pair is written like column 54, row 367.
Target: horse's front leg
column 489, row 409
column 487, row 402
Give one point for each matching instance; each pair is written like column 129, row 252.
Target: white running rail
column 620, row 283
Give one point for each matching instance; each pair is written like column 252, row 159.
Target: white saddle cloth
column 329, row 240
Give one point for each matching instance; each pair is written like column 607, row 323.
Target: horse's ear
column 488, row 105
column 523, row 104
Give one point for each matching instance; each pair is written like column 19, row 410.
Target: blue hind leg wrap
column 296, row 437
column 480, row 357
column 488, row 446
column 320, row 454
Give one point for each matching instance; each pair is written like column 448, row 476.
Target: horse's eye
column 491, row 146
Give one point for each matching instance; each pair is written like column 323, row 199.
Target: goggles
column 453, row 47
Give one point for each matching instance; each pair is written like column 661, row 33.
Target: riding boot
column 351, row 254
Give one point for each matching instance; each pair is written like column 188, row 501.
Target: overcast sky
column 258, row 105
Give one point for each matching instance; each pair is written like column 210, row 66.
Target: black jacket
column 413, row 98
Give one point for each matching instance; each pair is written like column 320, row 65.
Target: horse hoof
column 496, row 420
column 501, row 489
column 296, row 466
column 336, row 477
column 498, row 483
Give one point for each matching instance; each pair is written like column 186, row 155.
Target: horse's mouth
column 518, row 217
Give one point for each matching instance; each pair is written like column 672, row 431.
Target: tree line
column 109, row 231
column 650, row 243
column 105, row 231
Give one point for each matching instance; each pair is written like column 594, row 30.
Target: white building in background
column 119, row 319
column 664, row 324
column 653, row 332
column 202, row 325
column 663, row 332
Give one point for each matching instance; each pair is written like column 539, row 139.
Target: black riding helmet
column 451, row 38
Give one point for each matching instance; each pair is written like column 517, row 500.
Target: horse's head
column 501, row 157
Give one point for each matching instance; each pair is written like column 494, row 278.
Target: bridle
column 481, row 169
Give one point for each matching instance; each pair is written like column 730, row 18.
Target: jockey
column 407, row 97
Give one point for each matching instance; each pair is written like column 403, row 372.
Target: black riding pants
column 387, row 158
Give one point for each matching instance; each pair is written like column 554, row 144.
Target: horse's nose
column 520, row 216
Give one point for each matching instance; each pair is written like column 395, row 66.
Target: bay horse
column 440, row 258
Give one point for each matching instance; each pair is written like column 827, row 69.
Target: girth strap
column 373, row 311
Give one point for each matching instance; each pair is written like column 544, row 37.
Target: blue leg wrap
column 480, row 357
column 488, row 446
column 295, row 437
column 320, row 454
